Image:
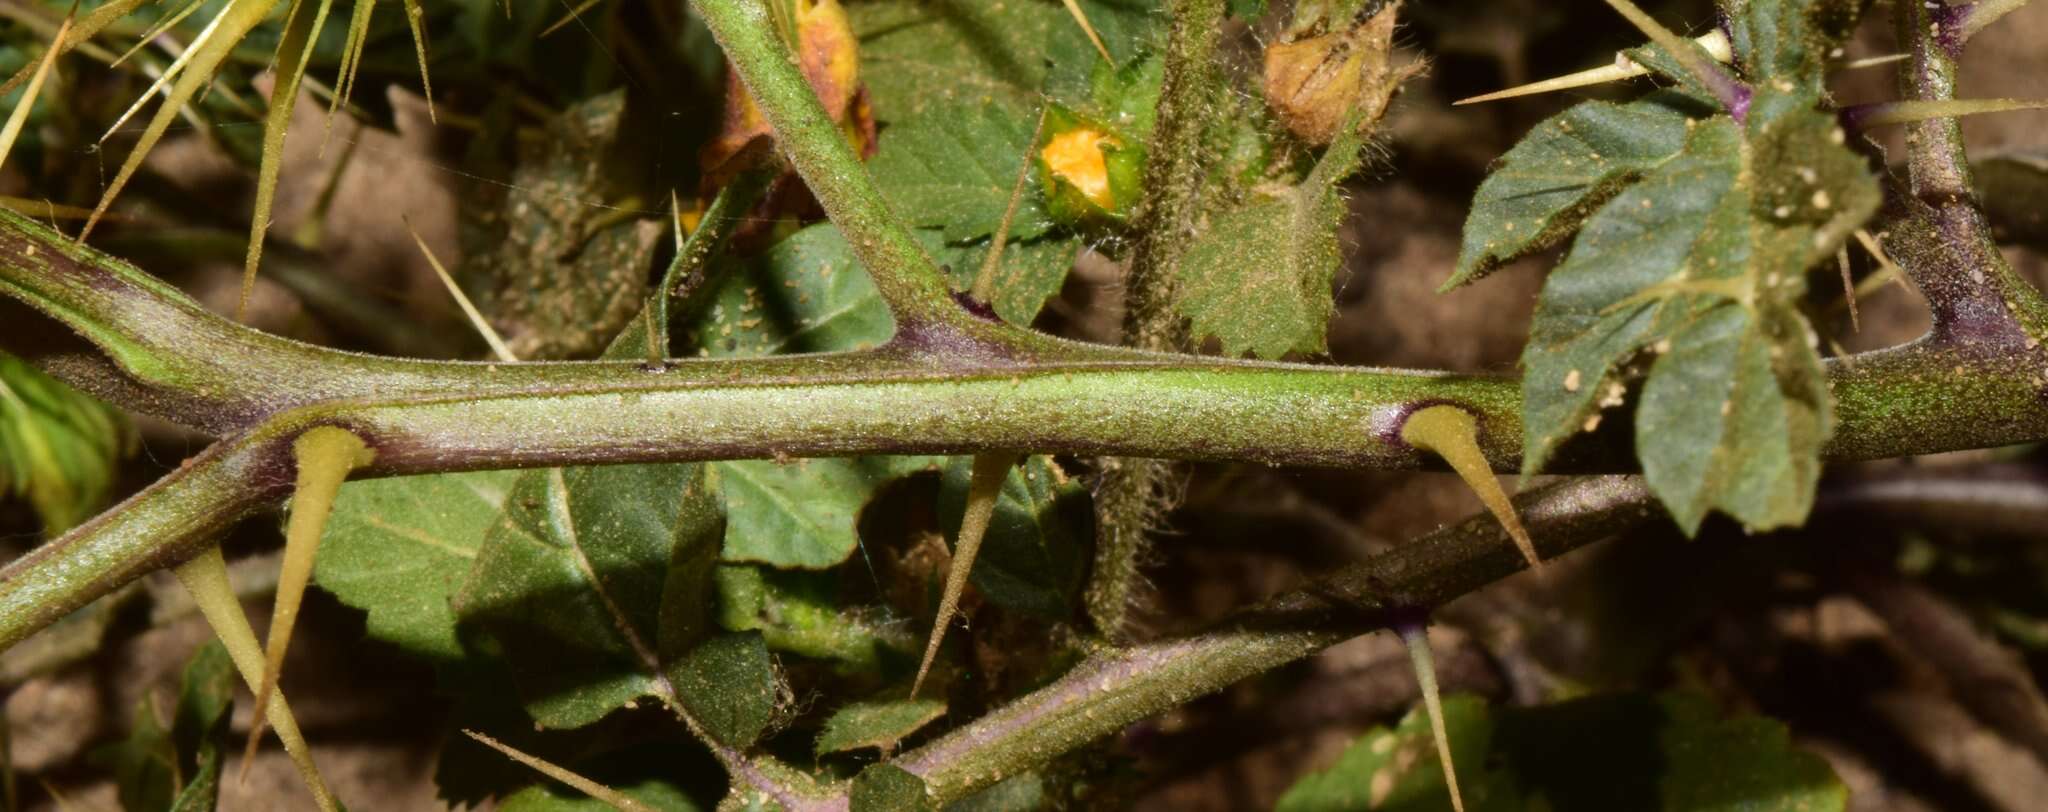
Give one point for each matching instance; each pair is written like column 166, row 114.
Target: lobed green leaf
column 952, row 166
column 1543, row 189
column 1258, row 278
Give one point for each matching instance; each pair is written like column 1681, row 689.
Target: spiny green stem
column 171, row 358
column 906, row 278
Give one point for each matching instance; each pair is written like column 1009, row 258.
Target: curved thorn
column 1453, row 434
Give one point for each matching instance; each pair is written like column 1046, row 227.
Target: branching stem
column 1943, row 241
column 907, row 279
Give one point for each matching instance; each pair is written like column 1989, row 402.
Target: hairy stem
column 1132, row 494
column 1116, row 687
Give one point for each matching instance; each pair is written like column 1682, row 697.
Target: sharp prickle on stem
column 1453, row 434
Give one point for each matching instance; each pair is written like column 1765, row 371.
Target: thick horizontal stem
column 931, row 390
column 1112, row 689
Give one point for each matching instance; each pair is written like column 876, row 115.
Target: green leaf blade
column 401, row 548
column 876, row 724
column 1588, row 320
column 801, row 514
column 953, row 165
column 1558, row 175
column 1258, row 278
column 728, row 685
column 570, row 583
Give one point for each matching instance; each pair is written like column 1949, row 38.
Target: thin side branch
column 1117, row 687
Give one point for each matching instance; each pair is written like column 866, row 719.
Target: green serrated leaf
column 1258, row 277
column 58, row 446
column 1035, row 553
column 1028, row 275
column 1544, row 188
column 728, row 684
column 952, row 166
column 571, row 579
column 1687, row 269
column 400, row 549
column 876, row 724
column 801, row 513
column 889, row 788
column 1676, row 265
column 917, row 53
